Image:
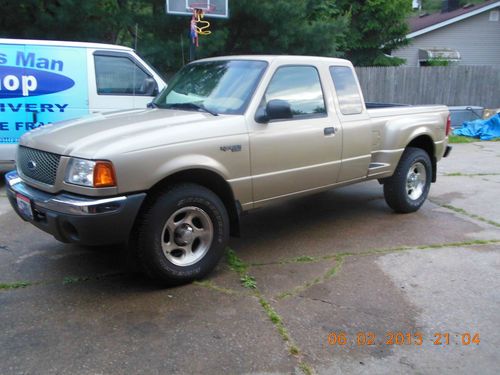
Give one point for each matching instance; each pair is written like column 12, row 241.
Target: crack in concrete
column 382, row 315
column 238, row 266
column 67, row 280
column 387, row 250
column 317, row 280
column 460, row 174
column 466, row 213
column 340, row 259
column 208, row 284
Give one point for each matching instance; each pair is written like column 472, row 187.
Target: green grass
column 15, row 285
column 211, row 285
column 306, row 368
column 304, row 259
column 235, row 263
column 461, row 139
column 240, row 267
column 248, row 281
column 276, row 320
column 459, row 174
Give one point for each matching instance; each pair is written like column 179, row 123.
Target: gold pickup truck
column 227, row 135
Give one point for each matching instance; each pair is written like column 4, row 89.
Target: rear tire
column 182, row 234
column 407, row 189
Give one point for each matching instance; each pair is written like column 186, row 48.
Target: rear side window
column 347, row 90
column 300, row 86
column 116, row 75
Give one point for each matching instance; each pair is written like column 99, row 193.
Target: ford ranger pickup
column 228, row 134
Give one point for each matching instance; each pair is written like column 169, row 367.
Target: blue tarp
column 483, row 129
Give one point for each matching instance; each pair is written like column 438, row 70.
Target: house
column 468, row 35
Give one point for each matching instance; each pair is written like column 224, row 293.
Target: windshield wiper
column 191, row 106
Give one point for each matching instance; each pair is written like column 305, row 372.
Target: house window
column 494, row 15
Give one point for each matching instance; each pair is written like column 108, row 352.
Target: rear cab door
column 356, row 123
column 120, row 80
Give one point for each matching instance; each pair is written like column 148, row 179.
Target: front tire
column 407, row 189
column 182, row 233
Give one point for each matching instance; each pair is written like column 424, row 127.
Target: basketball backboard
column 211, row 8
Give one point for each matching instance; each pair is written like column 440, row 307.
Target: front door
column 300, row 153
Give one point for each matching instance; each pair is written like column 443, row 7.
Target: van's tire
column 407, row 189
column 182, row 233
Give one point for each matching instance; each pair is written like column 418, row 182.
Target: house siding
column 476, row 38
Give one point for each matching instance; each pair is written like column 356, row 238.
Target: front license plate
column 24, row 206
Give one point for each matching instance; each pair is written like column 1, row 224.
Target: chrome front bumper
column 77, row 219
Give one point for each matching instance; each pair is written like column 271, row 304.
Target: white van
column 42, row 82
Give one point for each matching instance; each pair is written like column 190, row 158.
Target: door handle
column 329, row 131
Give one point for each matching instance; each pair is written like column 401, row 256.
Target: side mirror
column 276, row 109
column 149, row 87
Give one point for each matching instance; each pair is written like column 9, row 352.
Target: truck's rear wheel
column 408, row 188
column 182, row 234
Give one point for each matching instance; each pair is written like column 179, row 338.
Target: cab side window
column 347, row 90
column 117, row 75
column 300, row 86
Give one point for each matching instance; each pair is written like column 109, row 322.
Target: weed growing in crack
column 306, row 368
column 235, row 263
column 15, row 285
column 248, row 281
column 473, row 216
column 74, row 279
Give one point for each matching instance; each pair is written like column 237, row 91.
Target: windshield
column 223, row 87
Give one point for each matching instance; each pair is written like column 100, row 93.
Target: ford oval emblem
column 31, row 165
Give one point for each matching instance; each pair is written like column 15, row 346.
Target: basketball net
column 198, row 25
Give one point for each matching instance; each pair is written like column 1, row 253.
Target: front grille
column 39, row 165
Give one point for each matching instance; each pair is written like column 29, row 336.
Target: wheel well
column 212, row 181
column 425, row 143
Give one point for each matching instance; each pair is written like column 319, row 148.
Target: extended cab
column 229, row 134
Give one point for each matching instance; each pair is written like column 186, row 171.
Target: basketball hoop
column 200, row 11
column 203, row 8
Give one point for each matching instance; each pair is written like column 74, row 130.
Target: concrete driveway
column 329, row 284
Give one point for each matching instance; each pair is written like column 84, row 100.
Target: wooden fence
column 450, row 85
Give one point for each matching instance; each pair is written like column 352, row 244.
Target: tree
column 356, row 30
column 376, row 27
column 89, row 20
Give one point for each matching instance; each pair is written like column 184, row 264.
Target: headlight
column 90, row 173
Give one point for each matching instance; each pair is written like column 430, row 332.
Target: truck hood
column 101, row 135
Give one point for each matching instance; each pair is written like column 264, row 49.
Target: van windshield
column 218, row 87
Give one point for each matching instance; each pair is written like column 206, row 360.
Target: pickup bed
column 227, row 135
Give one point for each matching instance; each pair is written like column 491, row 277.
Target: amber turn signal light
column 104, row 174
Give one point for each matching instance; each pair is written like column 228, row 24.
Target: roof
column 422, row 25
column 282, row 59
column 63, row 44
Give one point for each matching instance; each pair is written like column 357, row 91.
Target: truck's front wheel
column 408, row 188
column 182, row 233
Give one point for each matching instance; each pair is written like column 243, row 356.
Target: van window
column 347, row 90
column 116, row 75
column 300, row 87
